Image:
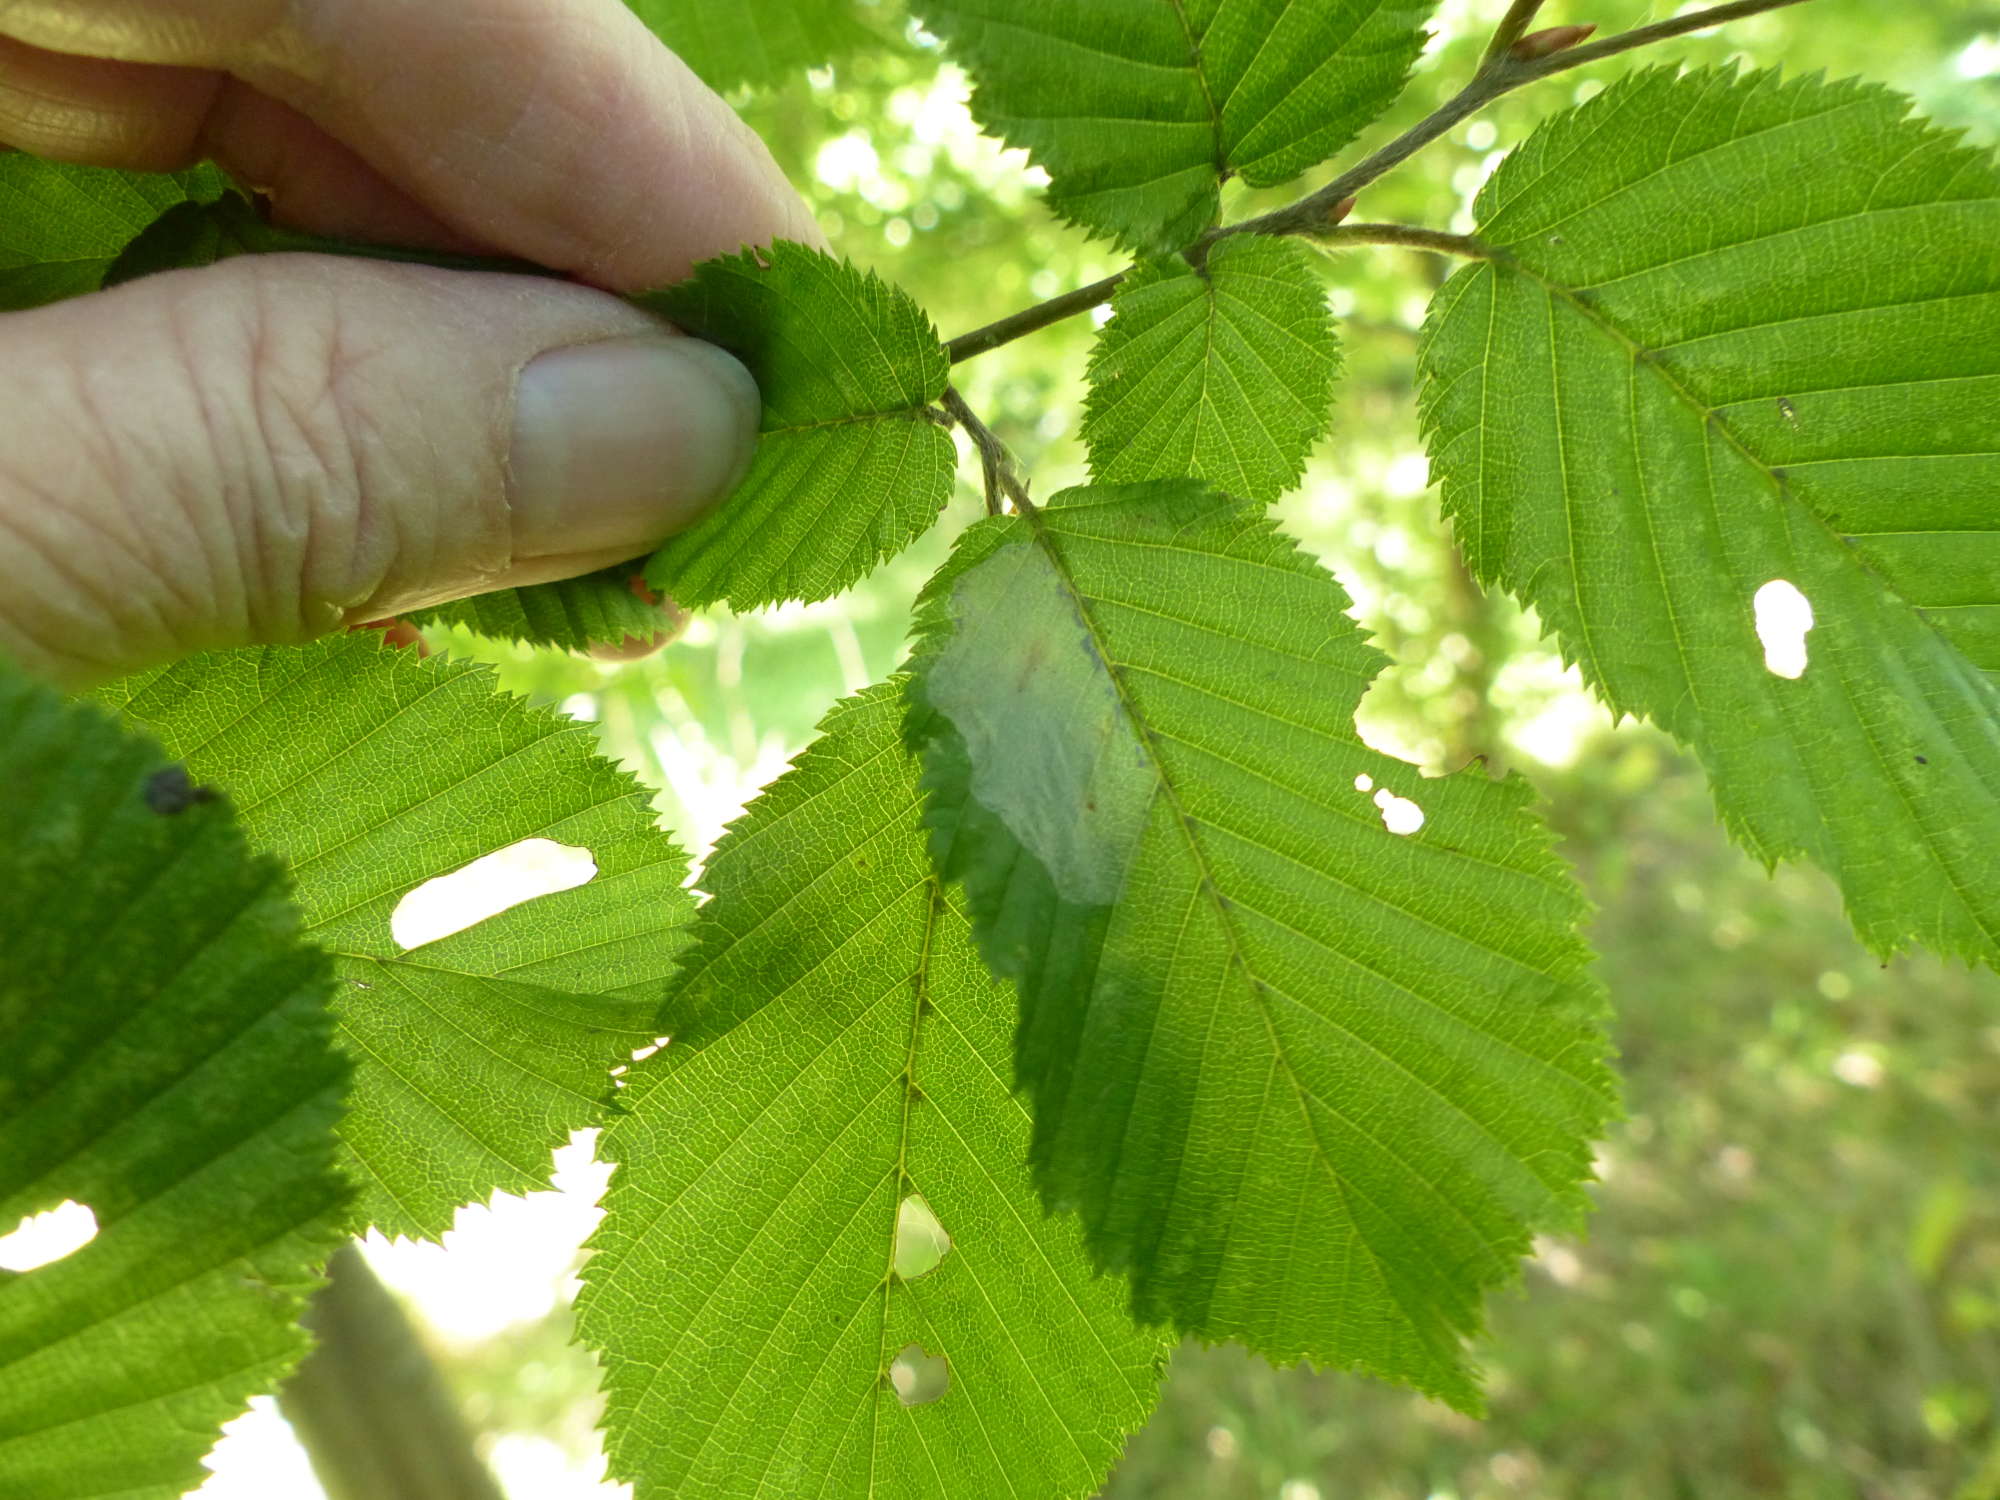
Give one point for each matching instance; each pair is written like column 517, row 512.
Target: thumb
column 273, row 447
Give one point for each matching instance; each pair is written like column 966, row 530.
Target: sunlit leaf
column 62, row 226
column 852, row 465
column 166, row 1063
column 1309, row 1036
column 1740, row 346
column 371, row 772
column 1138, row 109
column 1224, row 374
column 756, row 42
column 824, row 1267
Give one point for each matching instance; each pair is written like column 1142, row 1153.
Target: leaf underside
column 166, row 1060
column 1741, row 329
column 839, row 1049
column 572, row 613
column 62, row 226
column 1138, row 109
column 1307, row 1081
column 370, row 772
column 1225, row 374
column 851, row 466
column 761, row 43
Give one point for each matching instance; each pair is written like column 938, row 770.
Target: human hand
column 276, row 446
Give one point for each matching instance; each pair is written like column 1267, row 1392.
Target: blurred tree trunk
column 373, row 1411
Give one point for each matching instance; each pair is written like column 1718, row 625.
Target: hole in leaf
column 921, row 1242
column 1364, row 783
column 1784, row 615
column 1399, row 814
column 647, row 1051
column 486, row 887
column 919, row 1377
column 48, row 1236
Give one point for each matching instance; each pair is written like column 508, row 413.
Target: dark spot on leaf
column 170, row 791
column 1923, row 760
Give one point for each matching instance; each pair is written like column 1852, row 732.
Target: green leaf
column 166, row 1060
column 573, row 613
column 761, row 43
column 1308, row 1082
column 1224, row 374
column 193, row 233
column 1139, row 109
column 1742, row 331
column 852, row 466
column 839, row 1058
column 371, row 772
column 62, row 226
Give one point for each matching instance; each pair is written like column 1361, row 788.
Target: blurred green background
column 1792, row 1285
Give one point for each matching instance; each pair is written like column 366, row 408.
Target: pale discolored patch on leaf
column 823, row 1266
column 1742, row 332
column 1309, row 1067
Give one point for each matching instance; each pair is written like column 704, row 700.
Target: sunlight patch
column 919, row 1377
column 48, row 1236
column 486, row 887
column 1399, row 814
column 1784, row 615
column 921, row 1242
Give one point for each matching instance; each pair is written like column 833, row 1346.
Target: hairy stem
column 375, row 1414
column 1414, row 236
column 995, row 462
column 1500, row 72
column 1028, row 320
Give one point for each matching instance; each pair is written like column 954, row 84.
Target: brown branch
column 1032, row 319
column 1496, row 76
column 1501, row 71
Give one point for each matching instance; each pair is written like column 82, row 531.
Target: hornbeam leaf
column 573, row 613
column 1311, row 1038
column 166, row 1065
column 1739, row 348
column 832, row 1116
column 63, row 226
column 1224, row 374
column 852, row 466
column 757, row 42
column 372, row 773
column 1138, row 109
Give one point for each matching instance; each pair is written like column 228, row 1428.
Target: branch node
column 1537, row 45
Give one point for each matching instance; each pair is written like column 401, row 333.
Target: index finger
column 560, row 131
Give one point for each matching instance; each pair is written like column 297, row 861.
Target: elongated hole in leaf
column 48, row 1236
column 921, row 1242
column 1784, row 615
column 486, row 887
column 1399, row 814
column 919, row 1377
column 641, row 1054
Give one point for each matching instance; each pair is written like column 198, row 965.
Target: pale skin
column 275, row 447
